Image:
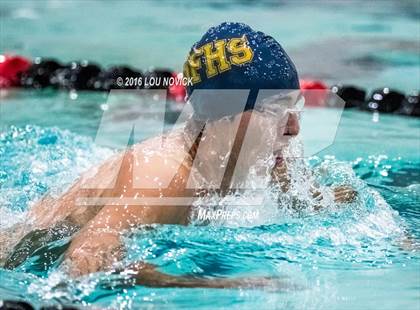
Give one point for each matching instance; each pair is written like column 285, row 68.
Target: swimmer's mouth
column 279, row 157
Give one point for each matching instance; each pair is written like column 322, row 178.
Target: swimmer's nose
column 292, row 126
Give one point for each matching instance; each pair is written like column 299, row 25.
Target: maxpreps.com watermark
column 154, row 81
column 204, row 214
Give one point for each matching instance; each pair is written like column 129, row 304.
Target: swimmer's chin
column 279, row 160
column 278, row 156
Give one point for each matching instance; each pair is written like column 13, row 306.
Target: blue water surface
column 343, row 257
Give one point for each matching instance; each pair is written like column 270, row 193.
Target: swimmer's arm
column 98, row 245
column 147, row 275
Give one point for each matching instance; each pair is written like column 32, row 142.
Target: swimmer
column 173, row 169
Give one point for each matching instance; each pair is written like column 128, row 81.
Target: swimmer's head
column 244, row 84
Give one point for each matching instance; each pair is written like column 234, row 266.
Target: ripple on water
column 33, row 159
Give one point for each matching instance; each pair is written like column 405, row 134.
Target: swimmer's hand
column 344, row 194
column 280, row 176
column 147, row 275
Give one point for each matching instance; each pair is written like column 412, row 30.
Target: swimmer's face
column 281, row 113
column 247, row 138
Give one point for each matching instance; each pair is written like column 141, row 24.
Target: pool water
column 369, row 43
column 343, row 257
column 359, row 256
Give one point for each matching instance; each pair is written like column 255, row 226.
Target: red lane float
column 177, row 91
column 315, row 92
column 11, row 67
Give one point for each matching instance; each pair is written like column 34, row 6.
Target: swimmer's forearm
column 192, row 282
column 147, row 275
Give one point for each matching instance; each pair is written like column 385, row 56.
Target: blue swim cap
column 234, row 56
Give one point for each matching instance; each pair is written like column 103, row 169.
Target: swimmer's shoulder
column 159, row 160
column 168, row 147
column 155, row 158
